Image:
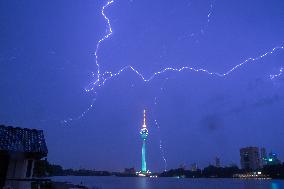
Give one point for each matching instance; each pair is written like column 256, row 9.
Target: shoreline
column 192, row 178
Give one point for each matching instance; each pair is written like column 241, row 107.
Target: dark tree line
column 272, row 171
column 207, row 172
column 43, row 168
column 180, row 172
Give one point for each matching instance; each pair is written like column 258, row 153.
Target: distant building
column 19, row 148
column 130, row 171
column 250, row 158
column 272, row 159
column 217, row 162
column 194, row 167
column 182, row 166
column 263, row 157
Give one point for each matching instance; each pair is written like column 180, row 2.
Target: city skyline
column 208, row 73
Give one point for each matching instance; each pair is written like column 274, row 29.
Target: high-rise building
column 144, row 134
column 250, row 158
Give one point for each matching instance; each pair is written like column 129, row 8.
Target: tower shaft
column 144, row 165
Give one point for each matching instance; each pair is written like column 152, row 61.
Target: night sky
column 47, row 60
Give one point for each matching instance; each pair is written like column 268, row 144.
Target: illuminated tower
column 144, row 134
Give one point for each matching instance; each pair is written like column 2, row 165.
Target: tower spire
column 144, row 122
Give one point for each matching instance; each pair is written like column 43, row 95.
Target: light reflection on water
column 275, row 185
column 142, row 183
column 113, row 182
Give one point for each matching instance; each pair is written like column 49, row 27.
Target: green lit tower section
column 144, row 134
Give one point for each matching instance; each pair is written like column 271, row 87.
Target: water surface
column 113, row 182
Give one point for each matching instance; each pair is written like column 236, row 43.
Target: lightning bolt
column 161, row 147
column 102, row 77
column 102, row 40
column 277, row 75
column 65, row 121
column 109, row 75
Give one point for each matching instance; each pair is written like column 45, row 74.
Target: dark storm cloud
column 212, row 122
column 261, row 102
column 258, row 82
column 215, row 121
column 266, row 101
column 220, row 99
column 239, row 108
